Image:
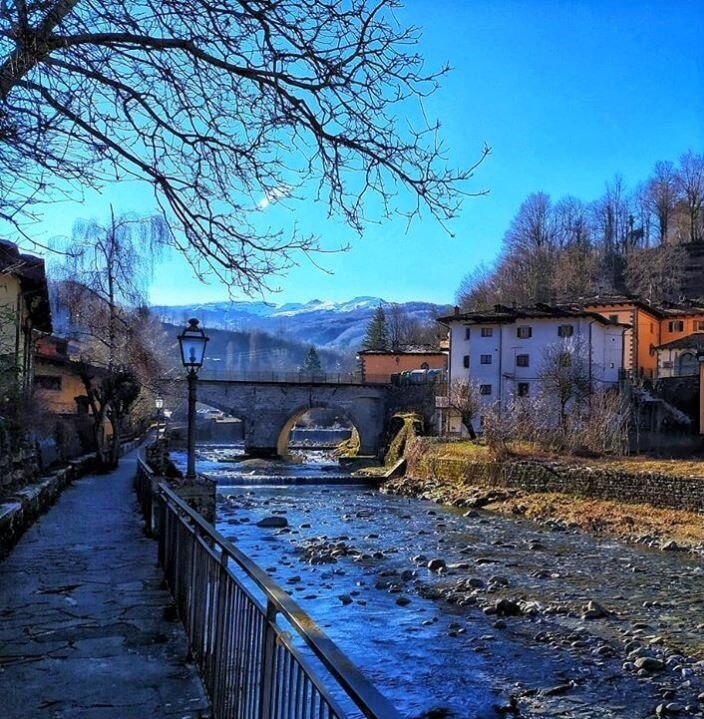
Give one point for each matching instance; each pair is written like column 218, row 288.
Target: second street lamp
column 192, row 342
column 159, row 404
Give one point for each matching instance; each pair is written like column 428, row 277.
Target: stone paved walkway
column 83, row 628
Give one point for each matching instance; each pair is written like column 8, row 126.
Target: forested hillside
column 635, row 240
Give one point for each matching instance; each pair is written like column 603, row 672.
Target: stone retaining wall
column 656, row 489
column 659, row 490
column 28, row 503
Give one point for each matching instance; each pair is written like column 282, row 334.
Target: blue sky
column 567, row 94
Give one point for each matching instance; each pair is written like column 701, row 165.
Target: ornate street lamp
column 192, row 341
column 159, row 404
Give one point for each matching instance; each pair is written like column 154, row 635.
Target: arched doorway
column 315, row 429
column 687, row 364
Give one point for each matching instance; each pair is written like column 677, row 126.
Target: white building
column 503, row 350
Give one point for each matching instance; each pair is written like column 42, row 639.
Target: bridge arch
column 282, row 443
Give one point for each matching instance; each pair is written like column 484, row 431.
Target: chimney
column 457, row 310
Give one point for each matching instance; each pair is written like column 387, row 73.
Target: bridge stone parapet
column 269, row 410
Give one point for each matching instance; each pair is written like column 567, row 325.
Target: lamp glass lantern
column 159, row 403
column 192, row 341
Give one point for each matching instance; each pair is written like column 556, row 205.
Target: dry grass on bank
column 693, row 467
column 604, row 517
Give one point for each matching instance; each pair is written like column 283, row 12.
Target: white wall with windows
column 505, row 358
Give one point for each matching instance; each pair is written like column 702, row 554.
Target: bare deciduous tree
column 103, row 293
column 463, row 398
column 223, row 107
column 405, row 330
column 663, row 196
column 690, row 180
column 564, row 378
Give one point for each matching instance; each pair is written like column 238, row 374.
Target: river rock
column 594, row 610
column 345, row 599
column 507, row 608
column 668, row 709
column 277, row 522
column 649, row 664
column 436, row 565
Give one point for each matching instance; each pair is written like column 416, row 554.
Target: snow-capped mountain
column 331, row 325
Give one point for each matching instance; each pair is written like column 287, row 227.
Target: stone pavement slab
column 83, row 629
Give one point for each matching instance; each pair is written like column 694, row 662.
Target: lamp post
column 159, row 404
column 192, row 341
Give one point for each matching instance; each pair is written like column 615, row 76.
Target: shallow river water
column 443, row 642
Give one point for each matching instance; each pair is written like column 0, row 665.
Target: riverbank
column 603, row 496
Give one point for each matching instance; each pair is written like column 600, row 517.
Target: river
column 356, row 560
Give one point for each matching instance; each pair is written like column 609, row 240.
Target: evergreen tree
column 311, row 363
column 377, row 337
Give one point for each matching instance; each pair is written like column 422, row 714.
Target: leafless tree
column 663, row 196
column 564, row 378
column 405, row 330
column 690, row 181
column 656, row 273
column 103, row 294
column 223, row 107
column 478, row 290
column 570, row 220
column 463, row 398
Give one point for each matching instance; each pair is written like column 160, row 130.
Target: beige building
column 25, row 313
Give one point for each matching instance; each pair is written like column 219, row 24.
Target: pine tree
column 311, row 363
column 377, row 337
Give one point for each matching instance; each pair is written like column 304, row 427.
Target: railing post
column 268, row 659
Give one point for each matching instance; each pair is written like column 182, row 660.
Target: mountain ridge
column 334, row 325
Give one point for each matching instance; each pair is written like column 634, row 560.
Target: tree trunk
column 467, row 421
column 116, row 435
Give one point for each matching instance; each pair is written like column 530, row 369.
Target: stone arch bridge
column 269, row 410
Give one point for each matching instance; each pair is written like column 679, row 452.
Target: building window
column 465, row 361
column 425, row 365
column 613, row 319
column 676, row 326
column 699, row 325
column 45, row 381
column 522, row 389
column 487, row 331
column 565, row 330
column 485, row 359
column 522, row 360
column 484, row 389
column 524, row 332
column 467, row 332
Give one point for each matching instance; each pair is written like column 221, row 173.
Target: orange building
column 651, row 327
column 378, row 366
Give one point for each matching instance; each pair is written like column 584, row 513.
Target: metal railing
column 252, row 666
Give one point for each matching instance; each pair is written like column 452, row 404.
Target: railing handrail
column 362, row 692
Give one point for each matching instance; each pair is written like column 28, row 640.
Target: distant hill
column 335, row 326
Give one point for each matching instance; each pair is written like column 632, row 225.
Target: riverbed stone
column 436, row 565
column 650, row 664
column 273, row 521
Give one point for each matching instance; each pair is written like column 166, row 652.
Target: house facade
column 651, row 326
column 379, row 366
column 24, row 311
column 503, row 351
column 680, row 357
